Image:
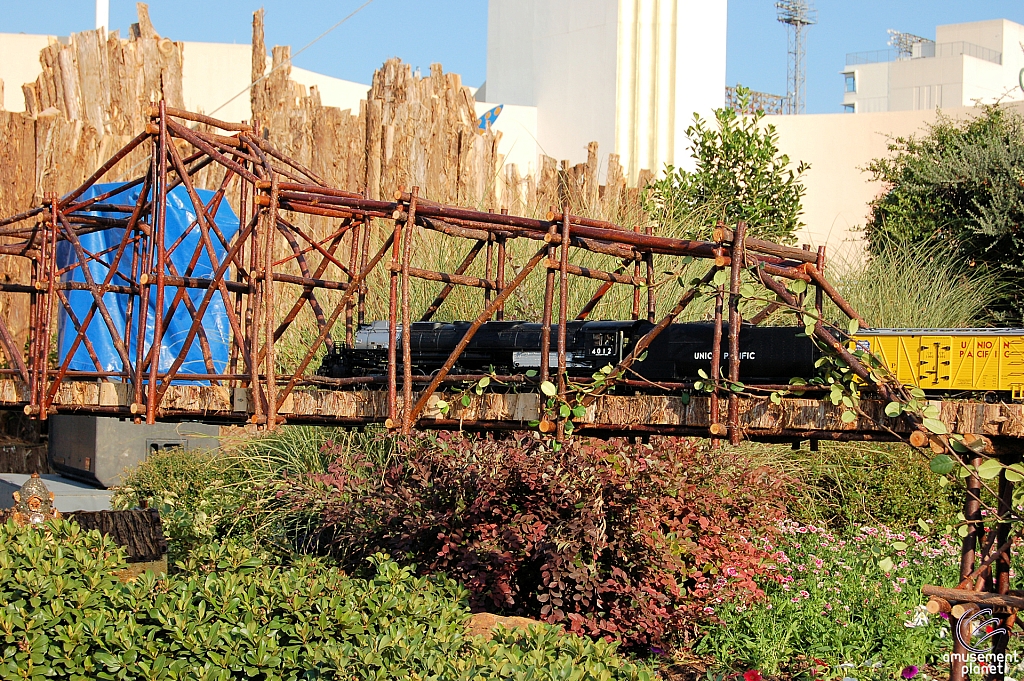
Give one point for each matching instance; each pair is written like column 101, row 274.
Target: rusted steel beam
column 407, row 315
column 450, row 282
column 837, row 298
column 599, row 275
column 724, row 235
column 156, row 112
column 457, row 279
column 735, row 324
column 563, row 305
column 641, row 345
column 471, row 331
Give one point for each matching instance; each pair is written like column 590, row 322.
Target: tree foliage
column 740, row 175
column 960, row 185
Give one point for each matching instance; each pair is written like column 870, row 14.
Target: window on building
column 849, row 108
column 851, row 82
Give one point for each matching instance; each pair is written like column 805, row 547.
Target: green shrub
column 959, row 186
column 199, row 494
column 232, row 493
column 740, row 174
column 232, row 614
column 611, row 539
column 848, row 484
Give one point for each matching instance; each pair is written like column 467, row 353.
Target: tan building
column 839, row 148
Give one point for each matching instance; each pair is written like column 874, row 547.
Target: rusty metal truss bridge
column 275, row 271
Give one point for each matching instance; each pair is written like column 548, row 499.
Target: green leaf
column 853, row 327
column 1014, row 473
column 441, row 405
column 918, row 393
column 893, row 409
column 925, row 527
column 958, row 446
column 548, row 388
column 809, row 330
column 721, row 277
column 484, row 382
column 899, row 545
column 942, row 464
column 564, row 411
column 935, row 426
column 737, row 387
column 579, row 411
column 702, row 373
column 962, row 531
column 989, row 469
column 886, row 564
column 642, row 357
column 747, row 291
column 797, row 286
column 848, row 416
column 775, row 398
column 531, row 373
column 684, row 398
column 466, row 399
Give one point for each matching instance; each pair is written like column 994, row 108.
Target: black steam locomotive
column 769, row 355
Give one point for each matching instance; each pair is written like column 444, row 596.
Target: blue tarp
column 180, row 220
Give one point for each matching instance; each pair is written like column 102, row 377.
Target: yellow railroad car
column 951, row 360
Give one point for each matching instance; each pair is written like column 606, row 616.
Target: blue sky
column 454, row 32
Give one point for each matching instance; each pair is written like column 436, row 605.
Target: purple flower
column 909, row 672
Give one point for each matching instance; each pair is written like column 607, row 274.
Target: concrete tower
column 627, row 73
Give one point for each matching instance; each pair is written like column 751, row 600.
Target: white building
column 978, row 61
column 629, row 74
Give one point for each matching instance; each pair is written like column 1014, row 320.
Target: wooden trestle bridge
column 275, row 270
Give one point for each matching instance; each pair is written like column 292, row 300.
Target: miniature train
column 769, row 354
column 938, row 360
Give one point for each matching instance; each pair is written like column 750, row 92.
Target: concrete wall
column 19, row 63
column 839, row 148
column 518, row 128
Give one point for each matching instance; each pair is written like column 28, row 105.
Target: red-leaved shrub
column 634, row 542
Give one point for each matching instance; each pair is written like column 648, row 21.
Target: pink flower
column 709, row 610
column 909, row 672
column 731, row 571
